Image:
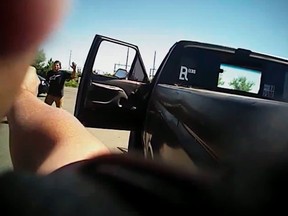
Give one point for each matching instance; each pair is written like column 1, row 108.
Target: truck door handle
column 121, row 94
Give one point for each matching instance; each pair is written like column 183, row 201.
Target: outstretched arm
column 44, row 138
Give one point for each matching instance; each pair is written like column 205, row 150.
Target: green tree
column 72, row 83
column 220, row 81
column 39, row 61
column 45, row 68
column 242, row 84
column 48, row 66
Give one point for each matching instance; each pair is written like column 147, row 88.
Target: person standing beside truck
column 56, row 78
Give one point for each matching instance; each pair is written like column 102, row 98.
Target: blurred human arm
column 44, row 138
column 24, row 26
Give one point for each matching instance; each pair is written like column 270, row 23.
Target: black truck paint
column 182, row 115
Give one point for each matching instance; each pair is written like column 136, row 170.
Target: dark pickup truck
column 189, row 113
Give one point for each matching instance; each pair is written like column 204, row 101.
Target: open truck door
column 113, row 86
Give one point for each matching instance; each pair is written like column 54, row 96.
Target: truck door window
column 111, row 57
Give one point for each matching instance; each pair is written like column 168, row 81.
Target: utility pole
column 127, row 59
column 154, row 62
column 152, row 70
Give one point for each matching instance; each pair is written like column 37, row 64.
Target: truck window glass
column 239, row 78
column 137, row 74
column 111, row 57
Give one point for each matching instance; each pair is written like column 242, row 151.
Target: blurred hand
column 24, row 26
column 31, row 81
column 74, row 65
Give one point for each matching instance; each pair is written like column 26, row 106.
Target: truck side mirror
column 121, row 73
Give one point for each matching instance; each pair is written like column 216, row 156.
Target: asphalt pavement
column 113, row 139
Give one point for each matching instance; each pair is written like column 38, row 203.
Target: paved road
column 111, row 138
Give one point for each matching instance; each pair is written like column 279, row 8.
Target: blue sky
column 156, row 25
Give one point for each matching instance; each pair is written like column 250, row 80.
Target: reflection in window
column 239, row 78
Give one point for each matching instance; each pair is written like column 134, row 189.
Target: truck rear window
column 239, row 78
column 231, row 72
